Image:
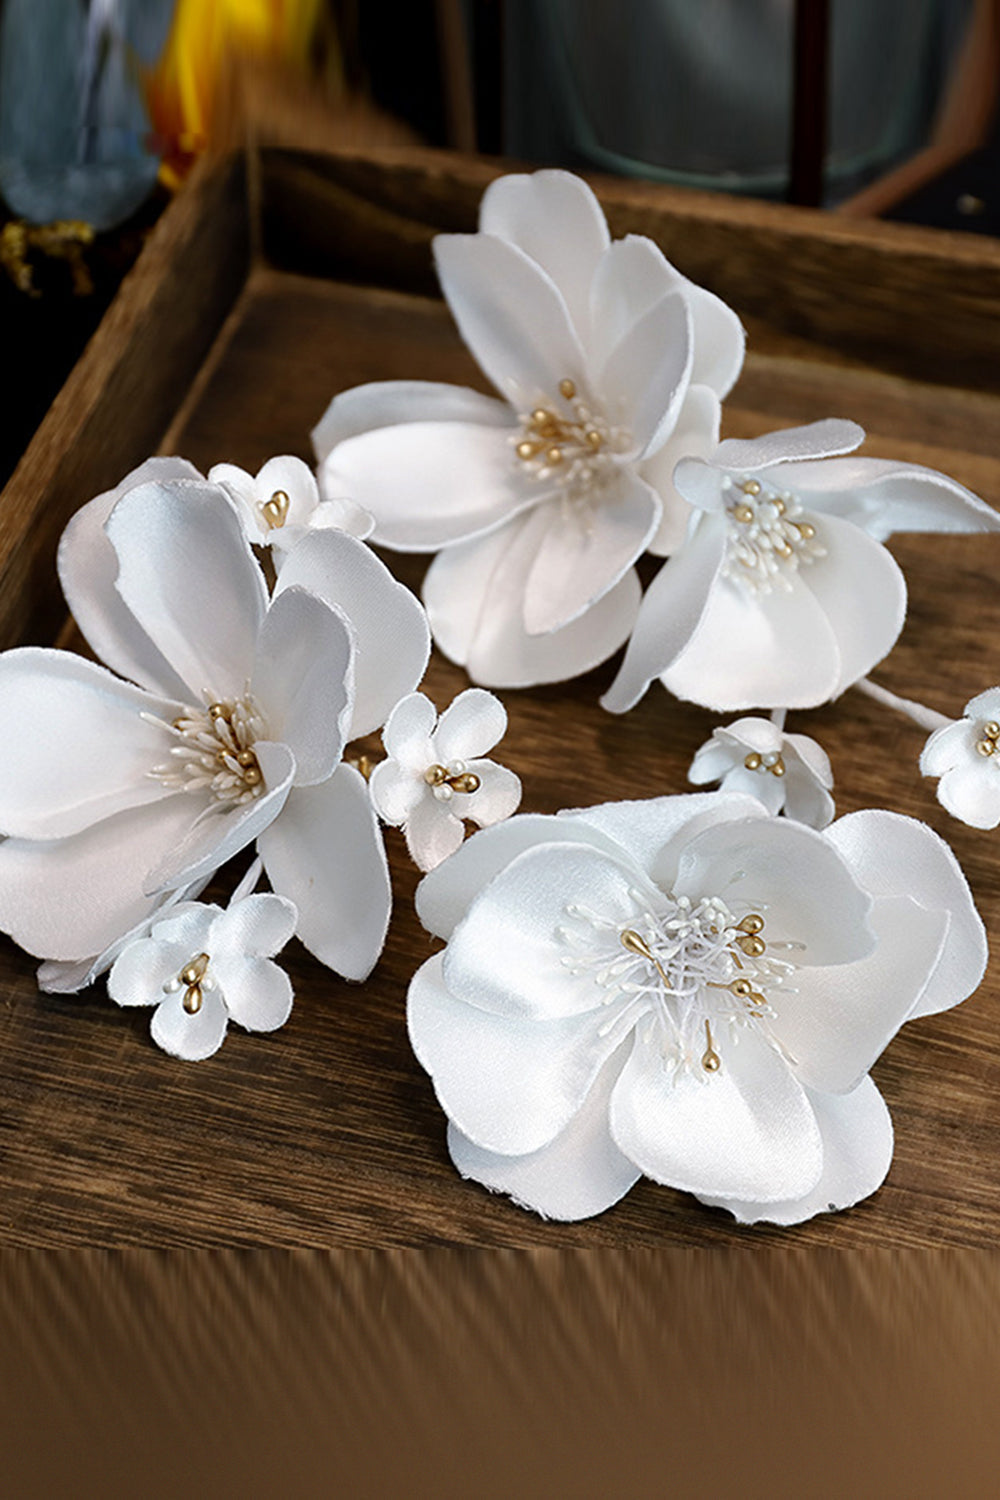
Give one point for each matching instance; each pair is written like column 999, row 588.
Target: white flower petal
column 258, row 926
column 340, row 513
column 713, row 760
column 863, row 592
column 836, row 1021
column 444, row 896
column 472, row 723
column 139, row 972
column 985, row 705
column 296, row 480
column 474, row 595
column 303, row 679
column 646, row 375
column 67, row 977
column 885, row 497
column 972, row 794
column 509, row 1085
column 578, row 1174
column 432, row 831
column 73, row 747
column 553, row 217
column 191, row 1038
column 431, row 484
column 747, row 1131
column 512, row 316
column 896, row 856
column 581, row 555
column 187, row 575
column 392, row 638
column 325, row 853
column 672, row 609
column 795, row 878
column 395, row 792
column 384, row 403
column 822, row 439
column 814, row 758
column 805, row 799
column 258, row 994
column 240, row 487
column 88, row 568
column 217, row 835
column 770, row 790
column 857, row 1150
column 654, row 832
column 506, row 955
column 71, row 898
column 756, row 650
column 695, row 435
column 498, row 796
column 408, row 735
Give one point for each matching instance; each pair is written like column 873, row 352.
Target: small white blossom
column 436, row 776
column 202, row 967
column 965, row 754
column 282, row 503
column 789, row 773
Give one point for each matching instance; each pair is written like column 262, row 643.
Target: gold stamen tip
column 192, row 999
column 567, row 389
column 992, row 730
column 468, row 782
column 753, row 947
column 743, row 513
column 593, row 437
column 276, row 509
column 742, row 988
column 554, row 456
column 778, row 769
column 633, row 943
column 805, row 530
column 782, row 548
column 752, row 922
column 779, row 505
column 540, row 416
column 252, row 775
column 986, row 747
column 756, row 998
column 218, row 710
column 195, row 970
column 436, row 775
column 710, row 1059
column 751, row 487
column 752, row 761
column 246, row 758
column 527, row 450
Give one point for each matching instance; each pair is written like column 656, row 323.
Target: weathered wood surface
column 327, row 1133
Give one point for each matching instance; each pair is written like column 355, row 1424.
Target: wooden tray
column 270, row 285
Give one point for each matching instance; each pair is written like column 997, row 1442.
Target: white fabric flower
column 782, row 596
column 202, row 967
column 610, row 364
column 688, row 989
column 436, row 775
column 281, row 504
column 789, row 773
column 112, row 793
column 966, row 756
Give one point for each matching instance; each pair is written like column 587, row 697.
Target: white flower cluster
column 690, row 988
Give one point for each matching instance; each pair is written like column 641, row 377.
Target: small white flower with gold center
column 281, row 503
column 789, row 773
column 965, row 754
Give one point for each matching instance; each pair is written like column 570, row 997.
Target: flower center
column 768, row 536
column 452, row 778
column 990, row 735
column 214, row 751
column 569, row 443
column 688, row 976
column 768, row 765
column 194, row 979
column 274, row 512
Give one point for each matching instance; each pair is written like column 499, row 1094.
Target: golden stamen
column 783, row 548
column 753, row 922
column 468, row 782
column 779, row 506
column 276, row 509
column 195, row 970
column 364, row 764
column 633, row 943
column 192, row 999
column 435, row 775
column 593, row 438
column 554, row 456
column 751, row 487
column 752, row 761
column 540, row 416
column 710, row 1059
column 753, row 947
column 805, row 529
column 778, row 768
column 218, row 710
column 528, row 450
column 567, row 389
column 743, row 513
column 986, row 747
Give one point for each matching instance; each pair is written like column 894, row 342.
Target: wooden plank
column 113, row 409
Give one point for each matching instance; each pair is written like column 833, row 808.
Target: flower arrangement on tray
column 691, row 987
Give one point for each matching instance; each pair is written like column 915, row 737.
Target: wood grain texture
column 328, row 1133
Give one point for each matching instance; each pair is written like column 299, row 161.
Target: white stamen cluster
column 576, row 451
column 687, row 976
column 769, row 536
column 214, row 751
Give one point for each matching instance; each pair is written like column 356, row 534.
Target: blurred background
column 865, row 107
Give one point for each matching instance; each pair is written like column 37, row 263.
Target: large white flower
column 226, row 725
column 610, row 364
column 965, row 754
column 782, row 595
column 685, row 988
column 436, row 775
column 787, row 772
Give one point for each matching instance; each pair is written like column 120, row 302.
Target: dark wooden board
column 327, row 1133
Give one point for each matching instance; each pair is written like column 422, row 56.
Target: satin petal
column 472, row 723
column 971, row 792
column 654, row 832
column 885, row 497
column 191, row 1038
column 862, row 591
column 395, row 792
column 392, row 639
column 303, row 679
column 258, row 994
column 408, row 735
column 645, row 377
column 579, row 1173
column 385, row 403
column 433, row 832
column 258, row 925
column 498, row 795
column 325, row 853
column 695, row 434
